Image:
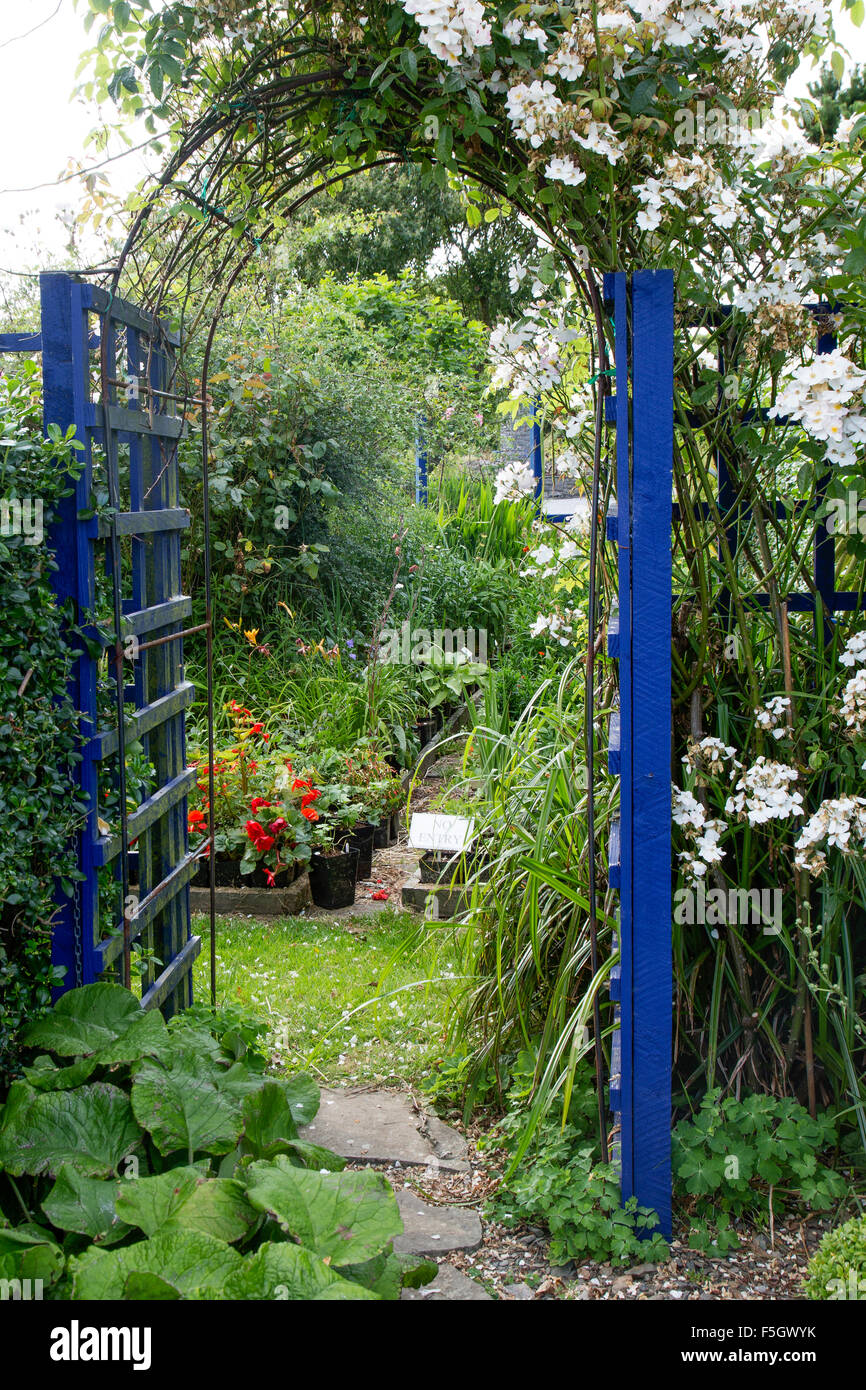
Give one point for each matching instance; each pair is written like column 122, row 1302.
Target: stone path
column 388, row 1129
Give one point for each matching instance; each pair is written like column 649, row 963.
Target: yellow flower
column 252, row 636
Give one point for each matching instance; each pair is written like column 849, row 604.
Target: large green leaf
column 29, row 1252
column 387, row 1274
column 347, row 1217
column 102, row 1022
column 150, row 1202
column 286, row 1271
column 186, row 1198
column 183, row 1108
column 85, row 1205
column 91, row 1128
column 302, row 1094
column 185, row 1260
column 268, row 1122
column 141, row 1288
column 220, row 1208
column 314, row 1156
column 45, row 1075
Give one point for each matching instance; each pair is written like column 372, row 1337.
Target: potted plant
column 333, row 869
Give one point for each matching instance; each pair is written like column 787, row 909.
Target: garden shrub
column 562, row 1183
column 837, row 1270
column 163, row 1161
column 39, row 744
column 736, row 1156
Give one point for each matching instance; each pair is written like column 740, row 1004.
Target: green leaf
column 29, row 1252
column 837, row 63
column 269, row 1125
column 187, row 1261
column 218, row 1207
column 409, row 63
column 314, row 1156
column 182, row 1108
column 45, row 1075
column 288, row 1272
column 415, row 1272
column 148, row 1288
column 85, row 1205
column 150, row 1202
column 349, row 1217
column 103, row 1022
column 302, row 1094
column 642, row 95
column 91, row 1129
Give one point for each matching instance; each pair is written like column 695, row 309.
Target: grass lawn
column 335, row 1005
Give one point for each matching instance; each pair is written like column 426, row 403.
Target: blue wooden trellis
column 639, row 636
column 420, row 464
column 639, row 522
column 108, row 372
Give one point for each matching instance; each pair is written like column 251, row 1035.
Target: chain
column 77, row 934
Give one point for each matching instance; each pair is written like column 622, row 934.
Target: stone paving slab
column 434, row 1230
column 380, row 1127
column 449, row 1286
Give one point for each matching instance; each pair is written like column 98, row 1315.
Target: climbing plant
column 627, row 135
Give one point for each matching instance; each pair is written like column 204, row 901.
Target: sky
column 40, row 45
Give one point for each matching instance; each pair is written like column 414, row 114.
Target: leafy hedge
column 837, row 1270
column 155, row 1161
column 38, row 723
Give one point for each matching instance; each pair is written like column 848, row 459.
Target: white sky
column 43, row 127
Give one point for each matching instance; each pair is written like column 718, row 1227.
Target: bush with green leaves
column 145, row 1160
column 39, row 741
column 561, row 1183
column 736, row 1157
column 837, row 1270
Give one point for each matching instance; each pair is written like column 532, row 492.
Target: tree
column 391, row 220
column 833, row 103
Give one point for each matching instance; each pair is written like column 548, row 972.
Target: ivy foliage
column 39, row 743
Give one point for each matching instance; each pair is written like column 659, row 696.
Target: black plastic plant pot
column 439, row 868
column 361, row 839
column 332, row 878
column 382, row 834
column 394, row 827
column 227, row 873
column 426, row 730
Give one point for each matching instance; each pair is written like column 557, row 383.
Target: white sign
column 449, row 834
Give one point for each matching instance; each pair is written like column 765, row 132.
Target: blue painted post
column 824, row 551
column 639, row 635
column 536, row 456
column 623, row 540
column 651, row 570
column 420, row 464
column 65, row 371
